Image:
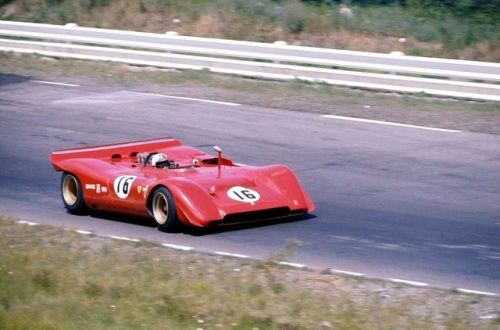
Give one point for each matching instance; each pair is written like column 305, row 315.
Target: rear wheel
column 163, row 210
column 72, row 193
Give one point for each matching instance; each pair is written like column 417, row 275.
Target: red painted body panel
column 204, row 195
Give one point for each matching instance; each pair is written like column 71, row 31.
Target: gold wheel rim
column 160, row 209
column 70, row 190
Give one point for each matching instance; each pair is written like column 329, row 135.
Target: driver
column 159, row 160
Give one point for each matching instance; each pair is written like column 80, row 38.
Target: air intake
column 279, row 212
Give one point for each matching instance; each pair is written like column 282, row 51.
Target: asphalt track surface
column 392, row 202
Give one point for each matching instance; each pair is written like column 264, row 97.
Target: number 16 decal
column 242, row 194
column 123, row 184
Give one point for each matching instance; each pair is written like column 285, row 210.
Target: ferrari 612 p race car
column 176, row 184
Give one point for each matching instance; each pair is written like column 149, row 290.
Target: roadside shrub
column 187, row 9
column 295, row 18
column 262, row 10
column 257, row 11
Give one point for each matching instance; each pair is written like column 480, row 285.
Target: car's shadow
column 195, row 231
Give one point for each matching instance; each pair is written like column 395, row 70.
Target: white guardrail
column 375, row 71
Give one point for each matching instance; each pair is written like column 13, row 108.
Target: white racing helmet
column 157, row 158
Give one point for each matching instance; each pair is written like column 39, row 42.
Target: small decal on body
column 242, row 194
column 90, row 186
column 122, row 185
column 97, row 187
column 143, row 190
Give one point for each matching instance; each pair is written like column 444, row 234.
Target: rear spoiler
column 116, row 150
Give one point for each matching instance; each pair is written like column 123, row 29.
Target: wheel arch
column 149, row 202
column 193, row 205
column 80, row 204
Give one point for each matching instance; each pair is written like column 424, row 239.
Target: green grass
column 452, row 31
column 56, row 279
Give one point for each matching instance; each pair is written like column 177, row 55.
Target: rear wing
column 112, row 151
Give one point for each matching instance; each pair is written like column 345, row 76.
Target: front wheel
column 163, row 210
column 72, row 194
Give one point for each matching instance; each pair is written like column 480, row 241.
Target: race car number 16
column 242, row 194
column 123, row 184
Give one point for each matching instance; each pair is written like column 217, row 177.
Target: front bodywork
column 205, row 194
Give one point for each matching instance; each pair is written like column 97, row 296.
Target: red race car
column 176, row 184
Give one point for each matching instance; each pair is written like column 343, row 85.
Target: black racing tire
column 164, row 211
column 72, row 194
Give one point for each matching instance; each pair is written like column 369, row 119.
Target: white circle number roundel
column 242, row 194
column 123, row 185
